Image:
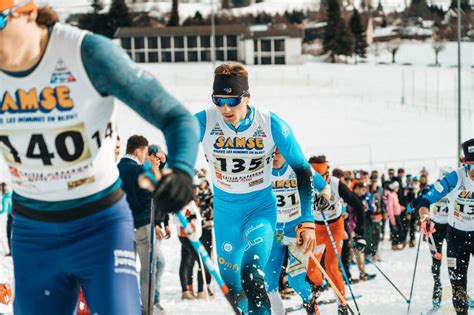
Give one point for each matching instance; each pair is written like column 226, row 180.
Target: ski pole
column 338, row 293
column 197, row 245
column 151, row 261
column 388, row 279
column 414, row 273
column 333, row 242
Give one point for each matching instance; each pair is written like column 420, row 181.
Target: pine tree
column 355, row 24
column 174, row 18
column 97, row 6
column 346, row 41
column 119, row 15
column 332, row 33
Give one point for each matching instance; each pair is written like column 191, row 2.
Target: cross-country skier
column 72, row 223
column 290, row 215
column 333, row 213
column 239, row 140
column 458, row 187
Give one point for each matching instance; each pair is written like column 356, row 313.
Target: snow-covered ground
column 378, row 296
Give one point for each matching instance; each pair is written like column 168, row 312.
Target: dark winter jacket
column 139, row 199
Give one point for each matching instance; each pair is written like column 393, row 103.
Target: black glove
column 320, row 203
column 174, row 191
column 358, row 243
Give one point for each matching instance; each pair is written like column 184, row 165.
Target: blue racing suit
column 245, row 222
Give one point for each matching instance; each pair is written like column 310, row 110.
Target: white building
column 249, row 45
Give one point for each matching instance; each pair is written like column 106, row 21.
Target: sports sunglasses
column 4, row 15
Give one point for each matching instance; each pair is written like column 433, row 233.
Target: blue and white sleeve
column 113, row 73
column 289, row 147
column 440, row 189
column 201, row 118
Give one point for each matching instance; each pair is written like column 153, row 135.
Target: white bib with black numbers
column 439, row 211
column 285, row 188
column 239, row 162
column 461, row 215
column 57, row 134
column 334, row 210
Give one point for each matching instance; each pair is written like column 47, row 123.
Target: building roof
column 247, row 32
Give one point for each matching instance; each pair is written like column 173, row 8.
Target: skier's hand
column 305, row 236
column 321, row 203
column 6, row 295
column 167, row 232
column 159, row 233
column 359, row 243
column 427, row 226
column 174, row 191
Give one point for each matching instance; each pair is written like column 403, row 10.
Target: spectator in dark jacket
column 130, row 167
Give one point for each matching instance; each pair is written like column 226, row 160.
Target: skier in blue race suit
column 239, row 141
column 72, row 225
column 290, row 216
column 458, row 187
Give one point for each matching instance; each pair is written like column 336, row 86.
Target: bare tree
column 438, row 46
column 393, row 47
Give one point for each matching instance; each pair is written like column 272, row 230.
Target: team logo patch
column 61, row 73
column 227, row 247
column 470, row 149
column 217, row 131
column 260, row 133
column 228, row 90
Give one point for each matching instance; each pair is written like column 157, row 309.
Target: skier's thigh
column 259, row 234
column 274, row 265
column 229, row 249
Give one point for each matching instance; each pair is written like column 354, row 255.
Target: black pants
column 439, row 236
column 346, row 252
column 396, row 231
column 409, row 225
column 460, row 249
column 9, row 231
column 206, row 239
column 188, row 258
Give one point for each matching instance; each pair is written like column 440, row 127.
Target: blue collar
column 280, row 171
column 245, row 123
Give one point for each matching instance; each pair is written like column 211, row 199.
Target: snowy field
column 378, row 296
column 369, row 115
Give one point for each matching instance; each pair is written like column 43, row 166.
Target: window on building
column 220, row 55
column 139, row 42
column 206, row 41
column 266, row 60
column 279, row 45
column 152, row 42
column 255, row 46
column 192, row 56
column 192, row 41
column 280, row 60
column 266, row 45
column 178, row 42
column 219, row 41
column 206, row 55
column 179, row 56
column 126, row 43
column 165, row 42
column 231, row 41
column 232, row 55
column 166, row 56
column 139, row 57
column 153, row 57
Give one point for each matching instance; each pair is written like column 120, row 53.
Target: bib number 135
column 238, row 165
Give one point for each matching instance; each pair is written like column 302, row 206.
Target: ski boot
column 342, row 310
column 366, row 277
column 312, row 307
